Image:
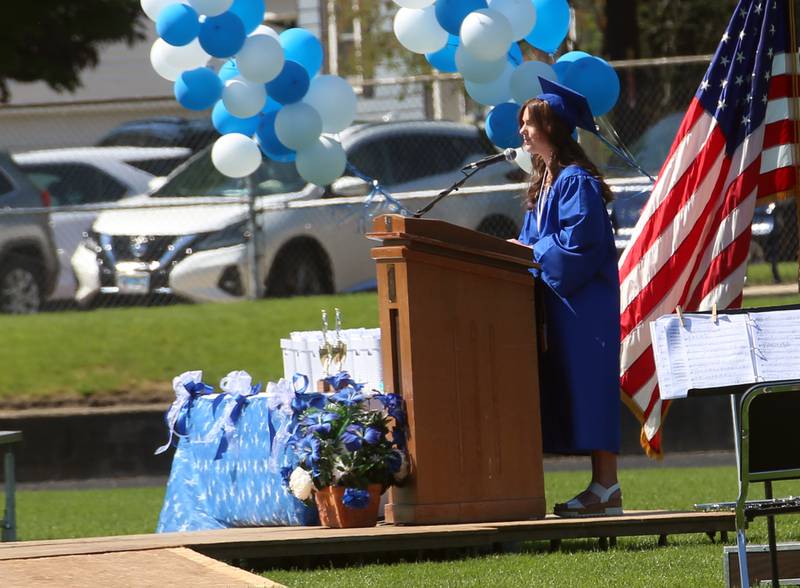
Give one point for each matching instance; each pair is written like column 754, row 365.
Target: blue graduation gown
column 579, row 371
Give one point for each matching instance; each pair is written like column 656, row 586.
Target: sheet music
column 702, row 353
column 776, row 339
column 719, row 352
column 670, row 358
column 736, row 349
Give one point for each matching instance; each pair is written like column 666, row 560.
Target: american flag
column 734, row 146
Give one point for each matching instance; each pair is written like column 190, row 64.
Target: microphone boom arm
column 447, row 191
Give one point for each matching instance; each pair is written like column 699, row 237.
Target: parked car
column 80, row 180
column 193, row 241
column 28, row 263
column 164, row 131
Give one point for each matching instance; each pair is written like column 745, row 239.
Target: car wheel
column 21, row 286
column 300, row 270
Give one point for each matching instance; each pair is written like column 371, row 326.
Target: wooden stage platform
column 274, row 545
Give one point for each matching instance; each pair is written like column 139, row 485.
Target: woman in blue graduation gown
column 570, row 233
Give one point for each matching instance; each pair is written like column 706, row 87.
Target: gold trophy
column 339, row 349
column 326, row 350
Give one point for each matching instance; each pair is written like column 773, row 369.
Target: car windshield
column 199, row 177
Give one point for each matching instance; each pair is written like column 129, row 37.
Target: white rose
column 301, row 484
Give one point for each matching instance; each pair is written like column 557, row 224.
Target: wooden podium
column 458, row 332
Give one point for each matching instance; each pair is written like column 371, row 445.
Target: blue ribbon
column 376, row 189
column 185, row 393
column 226, row 423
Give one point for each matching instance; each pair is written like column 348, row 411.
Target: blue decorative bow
column 237, row 386
column 187, row 386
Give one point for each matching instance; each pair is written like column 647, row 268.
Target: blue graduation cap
column 571, row 107
column 574, row 110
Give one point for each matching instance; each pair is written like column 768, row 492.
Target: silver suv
column 28, row 262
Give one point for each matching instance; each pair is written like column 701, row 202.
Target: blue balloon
column 226, row 123
column 228, row 70
column 502, row 125
column 290, row 85
column 251, row 12
column 223, row 35
column 562, row 65
column 596, row 79
column 515, row 55
column 552, row 24
column 268, row 140
column 272, row 105
column 301, row 46
column 198, row 89
column 178, row 24
column 445, row 58
column 451, row 13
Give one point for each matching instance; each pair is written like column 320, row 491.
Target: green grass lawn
column 688, row 560
column 133, row 350
column 761, row 273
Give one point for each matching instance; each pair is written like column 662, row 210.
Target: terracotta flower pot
column 333, row 513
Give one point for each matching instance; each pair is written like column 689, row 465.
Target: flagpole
column 796, row 117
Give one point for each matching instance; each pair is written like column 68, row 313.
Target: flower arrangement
column 350, row 438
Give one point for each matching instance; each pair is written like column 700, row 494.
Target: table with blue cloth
column 232, row 458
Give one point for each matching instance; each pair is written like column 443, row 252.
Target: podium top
column 395, row 229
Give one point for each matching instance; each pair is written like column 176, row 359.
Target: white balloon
column 211, row 7
column 494, row 92
column 159, row 54
column 261, row 58
column 413, row 3
column 152, row 8
column 475, row 70
column 298, row 125
column 335, row 101
column 189, row 56
column 235, row 155
column 243, row 99
column 322, row 162
column 418, row 30
column 525, row 80
column 520, row 13
column 265, row 30
column 486, row 34
column 523, row 159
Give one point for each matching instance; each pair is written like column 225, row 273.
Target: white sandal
column 606, row 506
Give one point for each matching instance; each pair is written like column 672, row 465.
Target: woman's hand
column 518, row 242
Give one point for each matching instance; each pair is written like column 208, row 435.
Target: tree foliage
column 54, row 40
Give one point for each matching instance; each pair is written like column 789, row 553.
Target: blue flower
column 308, row 449
column 302, row 401
column 342, row 380
column 353, row 437
column 372, row 435
column 393, row 403
column 319, row 422
column 355, row 498
column 394, row 461
column 348, row 396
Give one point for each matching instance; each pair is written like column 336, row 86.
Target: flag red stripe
column 652, row 293
column 723, row 266
column 780, row 87
column 779, row 133
column 640, row 371
column 777, row 180
column 686, row 185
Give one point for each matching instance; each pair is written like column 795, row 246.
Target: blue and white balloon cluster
column 478, row 39
column 267, row 97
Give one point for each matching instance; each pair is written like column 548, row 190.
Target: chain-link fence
column 72, row 236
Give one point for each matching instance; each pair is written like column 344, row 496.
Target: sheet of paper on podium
column 734, row 349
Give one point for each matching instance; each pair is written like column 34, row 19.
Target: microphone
column 508, row 154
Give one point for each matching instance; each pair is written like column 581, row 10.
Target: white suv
column 202, row 237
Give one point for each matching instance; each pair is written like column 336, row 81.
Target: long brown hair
column 566, row 150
